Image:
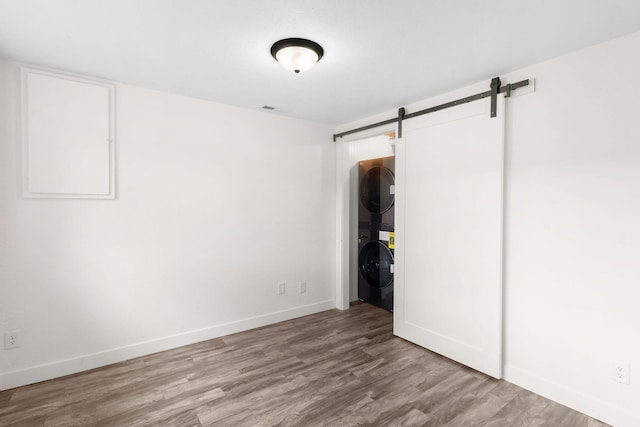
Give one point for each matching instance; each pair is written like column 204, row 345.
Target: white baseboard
column 61, row 368
column 589, row 405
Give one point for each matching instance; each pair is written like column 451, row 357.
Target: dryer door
column 377, row 188
column 376, row 264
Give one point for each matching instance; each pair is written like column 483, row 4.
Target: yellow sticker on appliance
column 392, row 240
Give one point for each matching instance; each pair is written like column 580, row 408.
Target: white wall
column 572, row 245
column 214, row 206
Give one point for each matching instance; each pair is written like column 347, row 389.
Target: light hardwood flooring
column 328, row 369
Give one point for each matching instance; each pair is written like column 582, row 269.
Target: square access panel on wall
column 68, row 136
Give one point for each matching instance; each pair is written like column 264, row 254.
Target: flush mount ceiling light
column 297, row 55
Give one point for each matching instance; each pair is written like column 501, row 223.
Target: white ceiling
column 379, row 54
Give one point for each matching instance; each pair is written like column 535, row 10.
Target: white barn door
column 449, row 233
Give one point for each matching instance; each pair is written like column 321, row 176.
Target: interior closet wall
column 214, row 206
column 572, row 240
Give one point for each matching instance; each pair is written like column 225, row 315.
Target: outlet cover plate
column 622, row 373
column 11, row 339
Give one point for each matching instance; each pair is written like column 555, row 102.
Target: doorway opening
column 350, row 154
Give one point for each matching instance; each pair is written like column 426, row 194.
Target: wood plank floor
column 328, row 369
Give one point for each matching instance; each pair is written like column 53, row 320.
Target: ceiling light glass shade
column 297, row 59
column 297, row 55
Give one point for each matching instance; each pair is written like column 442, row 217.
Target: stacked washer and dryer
column 376, row 231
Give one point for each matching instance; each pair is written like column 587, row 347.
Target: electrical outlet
column 622, row 373
column 11, row 339
column 302, row 287
column 281, row 288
